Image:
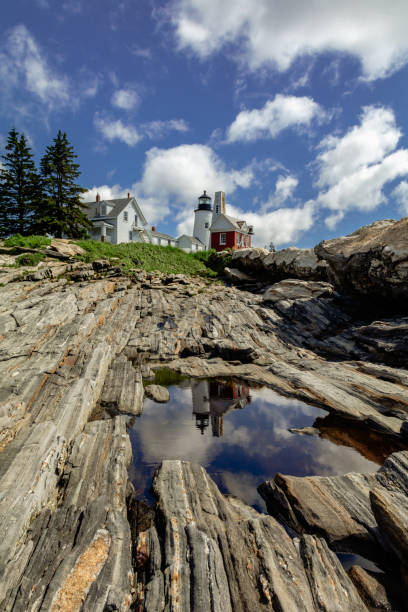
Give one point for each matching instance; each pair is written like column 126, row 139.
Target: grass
column 131, row 256
column 29, row 242
column 149, row 257
column 29, row 259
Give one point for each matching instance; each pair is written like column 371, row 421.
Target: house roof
column 161, row 235
column 118, row 206
column 191, row 239
column 237, row 224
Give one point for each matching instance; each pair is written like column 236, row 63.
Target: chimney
column 98, row 197
column 153, row 228
column 128, row 196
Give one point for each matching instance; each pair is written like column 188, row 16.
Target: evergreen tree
column 20, row 188
column 63, row 211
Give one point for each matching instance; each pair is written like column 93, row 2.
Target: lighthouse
column 202, row 220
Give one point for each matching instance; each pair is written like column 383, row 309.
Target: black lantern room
column 204, row 202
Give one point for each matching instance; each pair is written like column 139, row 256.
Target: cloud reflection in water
column 240, row 440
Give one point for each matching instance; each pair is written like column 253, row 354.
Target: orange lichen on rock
column 86, row 570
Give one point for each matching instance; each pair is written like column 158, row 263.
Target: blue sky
column 297, row 110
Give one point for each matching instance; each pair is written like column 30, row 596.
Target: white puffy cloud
column 23, row 66
column 172, row 179
column 355, row 168
column 278, row 114
column 126, row 99
column 362, row 145
column 284, row 188
column 181, row 173
column 106, row 192
column 115, row 129
column 157, row 129
column 400, row 193
column 277, row 32
column 282, row 226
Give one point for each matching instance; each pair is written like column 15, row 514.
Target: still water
column 239, row 434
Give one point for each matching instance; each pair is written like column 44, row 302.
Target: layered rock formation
column 371, row 261
column 74, row 344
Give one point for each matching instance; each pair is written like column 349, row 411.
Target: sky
column 297, row 110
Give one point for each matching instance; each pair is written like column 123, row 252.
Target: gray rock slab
column 219, row 554
column 158, row 393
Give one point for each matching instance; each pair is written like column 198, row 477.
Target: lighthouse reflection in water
column 239, row 434
column 213, row 399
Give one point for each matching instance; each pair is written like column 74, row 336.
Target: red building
column 227, row 232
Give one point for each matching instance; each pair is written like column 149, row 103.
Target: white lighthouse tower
column 202, row 220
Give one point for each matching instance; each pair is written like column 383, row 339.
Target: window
column 206, row 225
column 130, row 236
column 136, row 220
column 223, row 238
column 125, row 216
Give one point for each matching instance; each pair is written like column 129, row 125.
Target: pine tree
column 20, row 189
column 62, row 212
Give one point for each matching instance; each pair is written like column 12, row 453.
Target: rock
column 390, row 509
column 236, row 276
column 363, row 513
column 296, row 263
column 78, row 554
column 157, row 393
column 304, row 431
column 250, row 259
column 81, row 275
column 371, row 260
column 292, row 289
column 330, row 593
column 219, row 554
column 404, row 430
column 385, row 341
column 62, row 359
column 336, row 507
column 123, row 388
column 65, row 248
column 101, row 264
column 371, row 590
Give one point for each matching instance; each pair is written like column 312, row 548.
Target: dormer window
column 125, row 216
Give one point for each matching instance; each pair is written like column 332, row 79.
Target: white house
column 162, row 239
column 122, row 220
column 117, row 221
column 190, row 244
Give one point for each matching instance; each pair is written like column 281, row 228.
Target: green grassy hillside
column 149, row 257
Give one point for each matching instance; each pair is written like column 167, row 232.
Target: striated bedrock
column 73, row 351
column 371, row 261
column 206, row 552
column 363, row 513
